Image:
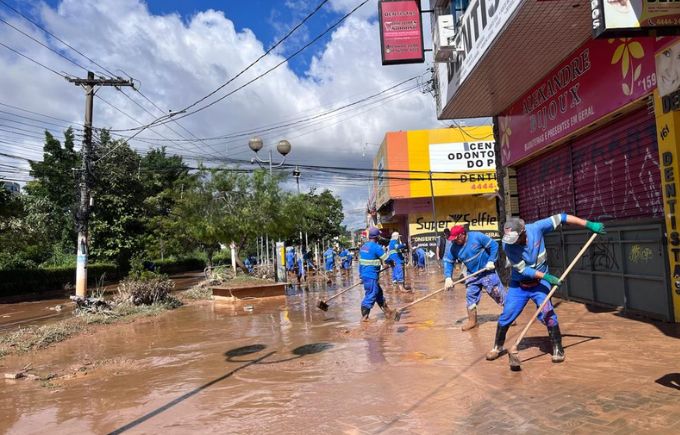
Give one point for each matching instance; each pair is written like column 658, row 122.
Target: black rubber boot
column 556, row 339
column 364, row 314
column 498, row 348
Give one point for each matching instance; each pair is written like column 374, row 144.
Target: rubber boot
column 364, row 314
column 556, row 339
column 498, row 348
column 472, row 320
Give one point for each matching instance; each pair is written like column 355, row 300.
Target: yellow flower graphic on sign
column 505, row 137
column 626, row 53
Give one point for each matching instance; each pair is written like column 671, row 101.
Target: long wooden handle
column 351, row 287
column 552, row 291
column 441, row 289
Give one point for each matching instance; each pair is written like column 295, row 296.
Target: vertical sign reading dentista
column 401, row 32
column 599, row 78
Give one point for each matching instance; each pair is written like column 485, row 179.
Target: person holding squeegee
column 476, row 251
column 525, row 248
column 371, row 257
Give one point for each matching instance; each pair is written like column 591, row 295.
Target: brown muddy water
column 282, row 365
column 16, row 315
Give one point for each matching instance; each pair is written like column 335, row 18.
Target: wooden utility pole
column 83, row 213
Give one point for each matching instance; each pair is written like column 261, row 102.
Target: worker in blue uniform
column 394, row 251
column 329, row 259
column 290, row 260
column 524, row 247
column 346, row 260
column 371, row 257
column 419, row 258
column 477, row 252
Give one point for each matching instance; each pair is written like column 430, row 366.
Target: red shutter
column 611, row 173
column 544, row 185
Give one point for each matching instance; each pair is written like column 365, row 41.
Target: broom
column 515, row 363
column 323, row 305
column 397, row 314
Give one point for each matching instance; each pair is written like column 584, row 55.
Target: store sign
column 462, row 156
column 630, row 17
column 479, row 27
column 596, row 80
column 668, row 74
column 401, row 32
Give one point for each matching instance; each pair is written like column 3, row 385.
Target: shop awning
column 533, row 40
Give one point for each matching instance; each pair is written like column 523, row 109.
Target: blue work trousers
column 490, row 283
column 329, row 265
column 517, row 299
column 398, row 272
column 373, row 293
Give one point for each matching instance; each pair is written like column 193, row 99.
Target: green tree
column 117, row 216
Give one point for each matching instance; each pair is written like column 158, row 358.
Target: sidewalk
column 280, row 364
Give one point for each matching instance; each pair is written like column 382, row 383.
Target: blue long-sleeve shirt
column 371, row 256
column 477, row 251
column 329, row 255
column 531, row 257
column 394, row 251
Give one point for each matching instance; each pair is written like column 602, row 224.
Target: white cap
column 395, row 235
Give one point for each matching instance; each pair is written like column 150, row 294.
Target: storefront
column 429, row 180
column 581, row 128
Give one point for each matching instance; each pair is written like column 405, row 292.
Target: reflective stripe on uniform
column 365, row 262
column 540, row 261
column 519, row 267
column 391, row 251
column 556, row 220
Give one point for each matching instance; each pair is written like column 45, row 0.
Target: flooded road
column 281, row 364
column 16, row 315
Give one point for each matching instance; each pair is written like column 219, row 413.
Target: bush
column 37, row 280
column 170, row 266
column 145, row 292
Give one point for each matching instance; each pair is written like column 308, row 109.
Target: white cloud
column 178, row 61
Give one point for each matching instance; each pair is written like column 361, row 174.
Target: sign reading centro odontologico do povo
column 462, row 156
column 635, row 17
column 401, row 32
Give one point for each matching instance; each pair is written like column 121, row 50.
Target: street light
column 283, row 147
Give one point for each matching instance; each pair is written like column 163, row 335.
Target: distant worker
column 290, row 260
column 419, row 256
column 329, row 258
column 443, row 243
column 371, row 257
column 346, row 260
column 525, row 248
column 300, row 271
column 395, row 248
column 476, row 251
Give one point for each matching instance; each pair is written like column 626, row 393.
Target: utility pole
column 83, row 214
column 296, row 174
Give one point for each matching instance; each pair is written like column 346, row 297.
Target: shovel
column 323, row 305
column 397, row 314
column 515, row 363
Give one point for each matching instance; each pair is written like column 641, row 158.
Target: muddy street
column 281, row 364
column 16, row 315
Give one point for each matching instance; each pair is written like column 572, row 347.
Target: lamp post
column 283, row 147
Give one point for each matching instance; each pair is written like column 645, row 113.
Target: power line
column 32, row 60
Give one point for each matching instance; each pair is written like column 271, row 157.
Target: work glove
column 490, row 265
column 448, row 283
column 552, row 279
column 596, row 227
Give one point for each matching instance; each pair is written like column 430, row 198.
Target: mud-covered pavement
column 282, row 365
column 16, row 315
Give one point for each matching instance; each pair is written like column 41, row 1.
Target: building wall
column 418, row 152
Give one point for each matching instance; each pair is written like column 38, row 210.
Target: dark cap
column 512, row 229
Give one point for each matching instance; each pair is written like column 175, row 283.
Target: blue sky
column 268, row 19
column 176, row 62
